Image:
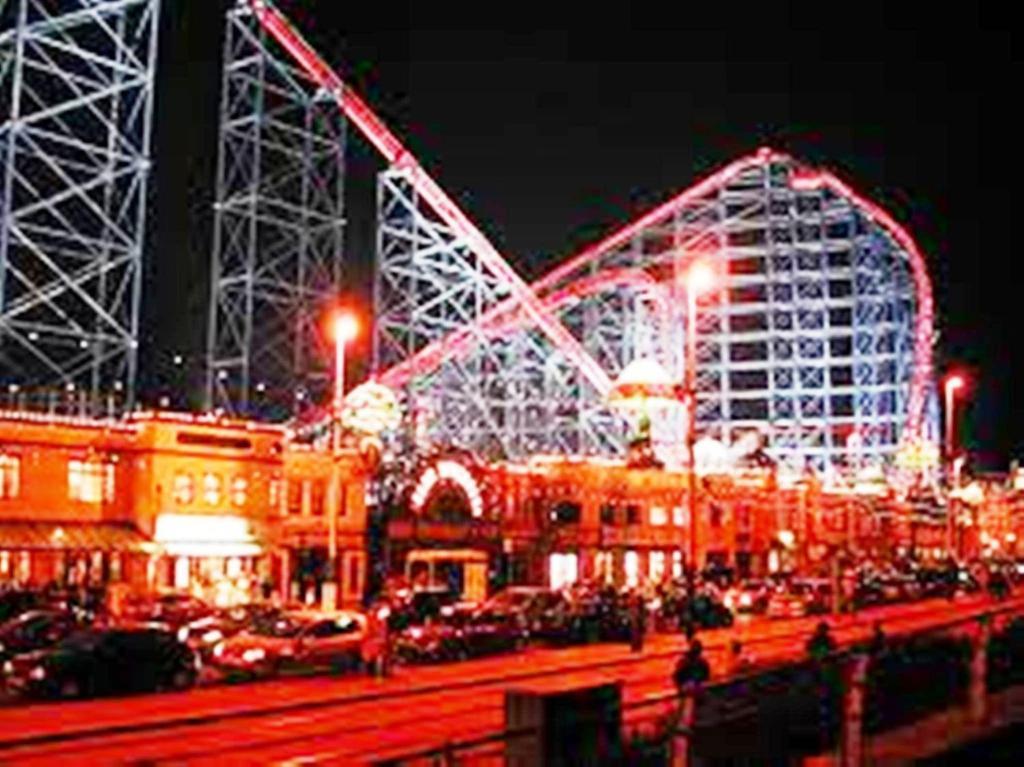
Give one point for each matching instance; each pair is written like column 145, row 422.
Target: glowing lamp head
column 700, row 277
column 345, row 327
column 954, row 382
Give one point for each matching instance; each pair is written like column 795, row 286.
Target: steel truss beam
column 820, row 330
column 278, row 232
column 76, row 92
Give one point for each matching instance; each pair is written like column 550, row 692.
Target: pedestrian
column 821, row 644
column 877, row 644
column 692, row 669
column 636, row 634
column 739, row 660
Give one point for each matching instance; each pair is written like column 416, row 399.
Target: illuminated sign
column 450, row 471
column 201, row 535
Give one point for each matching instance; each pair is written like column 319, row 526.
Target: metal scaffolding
column 817, row 335
column 76, row 95
column 278, row 232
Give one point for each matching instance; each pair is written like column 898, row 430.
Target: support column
column 851, row 743
column 977, row 700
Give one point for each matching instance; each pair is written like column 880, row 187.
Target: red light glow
column 345, row 327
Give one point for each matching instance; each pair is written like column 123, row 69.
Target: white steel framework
column 278, row 233
column 819, row 327
column 76, row 99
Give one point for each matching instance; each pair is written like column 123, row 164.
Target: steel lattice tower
column 820, row 328
column 76, row 95
column 277, row 251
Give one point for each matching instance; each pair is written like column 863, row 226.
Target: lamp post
column 698, row 278
column 345, row 329
column 952, row 384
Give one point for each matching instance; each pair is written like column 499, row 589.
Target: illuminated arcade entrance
column 443, row 538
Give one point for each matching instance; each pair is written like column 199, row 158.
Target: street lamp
column 953, row 383
column 699, row 278
column 345, row 328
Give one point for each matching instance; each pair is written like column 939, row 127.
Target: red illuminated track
column 371, row 126
column 459, row 340
column 346, row 721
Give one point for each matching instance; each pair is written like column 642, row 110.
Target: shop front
column 217, row 558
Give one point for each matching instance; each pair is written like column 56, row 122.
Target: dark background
column 553, row 129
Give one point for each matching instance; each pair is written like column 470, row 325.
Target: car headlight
column 8, row 668
column 212, row 636
column 416, row 632
column 447, row 611
column 183, row 634
column 37, row 673
column 254, row 655
column 746, row 600
column 218, row 649
column 728, row 601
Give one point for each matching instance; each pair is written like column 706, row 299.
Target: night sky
column 551, row 138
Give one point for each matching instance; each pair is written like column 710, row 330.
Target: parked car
column 799, row 598
column 748, row 597
column 16, row 601
column 36, row 630
column 205, row 633
column 432, row 642
column 304, row 640
column 104, row 662
column 172, row 610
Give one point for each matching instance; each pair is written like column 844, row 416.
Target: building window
column 274, row 492
column 678, row 516
column 211, row 489
column 90, row 481
column 5, row 564
column 607, row 514
column 293, row 490
column 10, row 475
column 677, row 564
column 316, row 497
column 659, row 516
column 631, row 565
column 239, row 488
column 184, row 489
column 656, row 566
column 632, row 514
column 562, row 570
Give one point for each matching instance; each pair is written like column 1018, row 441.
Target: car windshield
column 82, row 640
column 283, row 626
column 510, row 599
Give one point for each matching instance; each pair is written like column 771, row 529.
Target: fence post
column 851, row 743
column 682, row 735
column 977, row 700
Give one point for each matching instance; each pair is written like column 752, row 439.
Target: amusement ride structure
column 816, row 333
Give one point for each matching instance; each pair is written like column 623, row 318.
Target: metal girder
column 278, row 229
column 819, row 329
column 76, row 89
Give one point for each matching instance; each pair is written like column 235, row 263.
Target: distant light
column 222, row 374
column 83, row 344
column 787, row 538
column 13, row 388
column 118, row 386
column 70, row 386
column 33, row 336
column 345, row 327
column 165, row 401
column 806, row 180
column 178, row 359
column 954, row 382
column 261, row 387
column 700, row 277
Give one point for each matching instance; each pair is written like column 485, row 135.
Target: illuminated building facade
column 224, row 509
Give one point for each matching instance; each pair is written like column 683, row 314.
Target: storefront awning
column 58, row 536
column 206, row 535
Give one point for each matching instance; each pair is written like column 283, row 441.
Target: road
column 353, row 720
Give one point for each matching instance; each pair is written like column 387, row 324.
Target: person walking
column 692, row 669
column 821, row 644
